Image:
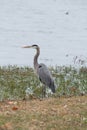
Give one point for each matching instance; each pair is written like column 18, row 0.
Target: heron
column 42, row 71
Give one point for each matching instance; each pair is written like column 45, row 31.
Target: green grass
column 15, row 80
column 66, row 110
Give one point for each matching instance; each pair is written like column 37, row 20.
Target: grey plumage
column 42, row 70
column 46, row 77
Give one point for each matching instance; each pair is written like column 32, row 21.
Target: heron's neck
column 36, row 58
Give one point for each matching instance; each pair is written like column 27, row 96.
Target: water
column 59, row 27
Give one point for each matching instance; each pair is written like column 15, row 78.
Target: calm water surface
column 59, row 27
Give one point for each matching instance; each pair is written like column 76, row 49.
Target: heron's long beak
column 26, row 46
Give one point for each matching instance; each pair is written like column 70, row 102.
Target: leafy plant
column 14, row 81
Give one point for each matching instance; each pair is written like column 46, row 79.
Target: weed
column 14, row 81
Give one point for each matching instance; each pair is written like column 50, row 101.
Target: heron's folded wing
column 44, row 75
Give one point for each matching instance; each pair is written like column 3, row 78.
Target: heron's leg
column 43, row 91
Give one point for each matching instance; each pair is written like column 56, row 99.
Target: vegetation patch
column 21, row 82
column 22, row 108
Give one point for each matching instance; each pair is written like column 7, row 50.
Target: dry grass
column 47, row 114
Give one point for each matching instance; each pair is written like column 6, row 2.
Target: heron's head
column 32, row 46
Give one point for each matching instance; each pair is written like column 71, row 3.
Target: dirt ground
column 65, row 113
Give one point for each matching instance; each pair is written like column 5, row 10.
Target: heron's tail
column 53, row 87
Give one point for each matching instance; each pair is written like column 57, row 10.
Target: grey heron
column 42, row 71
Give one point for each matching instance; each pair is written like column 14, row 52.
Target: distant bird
column 42, row 71
column 67, row 13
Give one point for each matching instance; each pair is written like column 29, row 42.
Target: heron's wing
column 44, row 75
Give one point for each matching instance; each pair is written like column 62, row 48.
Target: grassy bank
column 66, row 110
column 17, row 82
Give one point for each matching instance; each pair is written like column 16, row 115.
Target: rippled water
column 59, row 27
